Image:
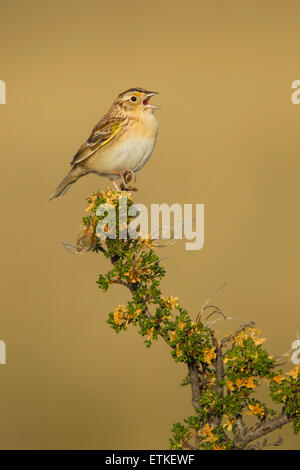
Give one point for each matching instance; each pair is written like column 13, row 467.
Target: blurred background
column 228, row 138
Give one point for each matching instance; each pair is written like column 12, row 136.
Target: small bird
column 120, row 144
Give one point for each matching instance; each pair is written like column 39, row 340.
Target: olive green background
column 229, row 138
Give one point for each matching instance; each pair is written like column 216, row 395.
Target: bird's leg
column 130, row 173
column 111, row 179
column 122, row 176
column 128, row 178
column 115, row 186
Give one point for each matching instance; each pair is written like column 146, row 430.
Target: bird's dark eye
column 133, row 98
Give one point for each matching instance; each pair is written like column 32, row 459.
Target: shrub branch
column 223, row 373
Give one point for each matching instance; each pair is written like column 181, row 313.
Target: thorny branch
column 264, row 428
column 244, row 435
column 195, row 383
column 204, row 372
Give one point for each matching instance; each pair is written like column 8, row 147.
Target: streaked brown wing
column 106, row 130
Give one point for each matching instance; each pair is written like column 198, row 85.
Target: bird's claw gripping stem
column 128, row 178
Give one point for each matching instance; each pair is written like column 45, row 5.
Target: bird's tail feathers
column 66, row 183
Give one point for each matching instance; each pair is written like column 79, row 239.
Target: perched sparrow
column 120, row 144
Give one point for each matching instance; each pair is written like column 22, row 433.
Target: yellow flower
column 178, row 351
column 240, row 337
column 256, row 410
column 294, row 373
column 123, row 194
column 230, row 385
column 112, row 196
column 278, row 378
column 133, row 275
column 248, row 333
column 170, row 302
column 173, row 301
column 228, row 423
column 182, row 326
column 145, row 240
column 128, row 317
column 92, row 201
column 246, row 382
column 215, row 447
column 173, row 336
column 254, row 332
column 119, row 314
column 118, row 318
column 209, row 354
column 207, row 434
column 150, row 333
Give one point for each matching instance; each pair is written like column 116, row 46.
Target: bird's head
column 136, row 100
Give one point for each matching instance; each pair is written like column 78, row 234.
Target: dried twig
column 230, row 337
column 262, row 429
column 198, row 317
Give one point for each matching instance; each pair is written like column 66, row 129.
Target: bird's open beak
column 146, row 100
